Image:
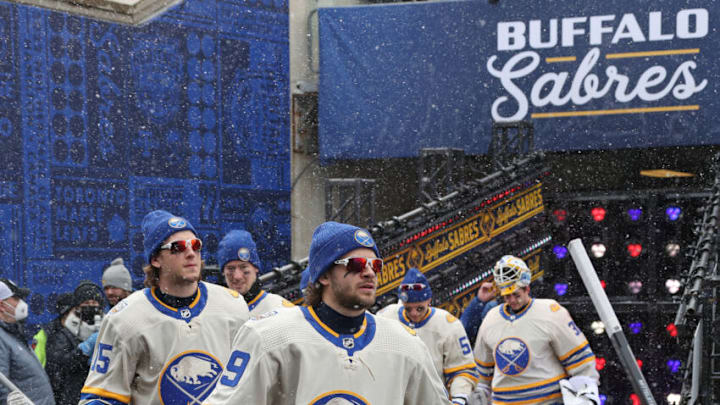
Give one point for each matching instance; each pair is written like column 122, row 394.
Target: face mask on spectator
column 72, row 323
column 18, row 312
column 86, row 329
column 85, row 325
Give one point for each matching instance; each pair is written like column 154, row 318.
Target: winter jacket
column 65, row 364
column 19, row 364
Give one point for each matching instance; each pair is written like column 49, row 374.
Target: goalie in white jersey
column 526, row 346
column 169, row 343
column 240, row 264
column 332, row 351
column 441, row 332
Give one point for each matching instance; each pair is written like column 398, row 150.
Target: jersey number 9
column 237, row 364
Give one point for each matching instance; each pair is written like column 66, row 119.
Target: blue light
column 560, row 251
column 634, row 213
column 673, row 213
column 673, row 365
column 635, row 327
column 603, row 398
column 561, row 288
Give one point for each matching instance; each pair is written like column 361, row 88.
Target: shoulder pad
column 234, row 293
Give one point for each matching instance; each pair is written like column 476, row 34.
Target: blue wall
column 101, row 123
column 396, row 78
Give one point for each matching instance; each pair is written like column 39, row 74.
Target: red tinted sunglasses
column 412, row 287
column 357, row 264
column 180, row 245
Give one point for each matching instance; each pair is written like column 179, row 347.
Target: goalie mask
column 511, row 272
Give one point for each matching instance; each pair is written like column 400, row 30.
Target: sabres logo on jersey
column 177, row 222
column 189, row 378
column 512, row 356
column 364, row 238
column 244, row 254
column 339, row 398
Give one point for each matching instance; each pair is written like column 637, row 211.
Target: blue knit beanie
column 414, row 276
column 304, row 279
column 238, row 245
column 330, row 241
column 157, row 226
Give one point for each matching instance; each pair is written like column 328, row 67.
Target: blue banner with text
column 589, row 75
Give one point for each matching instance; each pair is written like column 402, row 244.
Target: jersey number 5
column 574, row 327
column 465, row 345
column 237, row 364
column 101, row 361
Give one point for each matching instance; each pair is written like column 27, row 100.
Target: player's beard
column 348, row 300
column 181, row 278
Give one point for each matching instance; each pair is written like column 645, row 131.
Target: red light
column 560, row 215
column 639, row 363
column 599, row 363
column 672, row 330
column 635, row 399
column 634, row 249
column 603, row 284
column 598, row 213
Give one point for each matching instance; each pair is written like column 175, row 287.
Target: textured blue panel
column 101, row 123
column 36, row 140
column 398, row 78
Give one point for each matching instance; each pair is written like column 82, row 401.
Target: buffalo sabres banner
column 448, row 243
column 613, row 74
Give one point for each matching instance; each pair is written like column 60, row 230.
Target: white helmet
column 511, row 272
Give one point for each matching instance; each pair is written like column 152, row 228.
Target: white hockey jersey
column 288, row 356
column 450, row 349
column 524, row 355
column 265, row 302
column 150, row 353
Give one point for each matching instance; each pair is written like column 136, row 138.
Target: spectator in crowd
column 63, row 304
column 528, row 346
column 168, row 343
column 333, row 350
column 79, row 318
column 116, row 282
column 441, row 332
column 240, row 264
column 473, row 315
column 17, row 361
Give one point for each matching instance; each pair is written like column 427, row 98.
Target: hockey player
column 441, row 332
column 332, row 351
column 239, row 261
column 526, row 346
column 168, row 343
